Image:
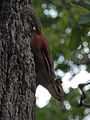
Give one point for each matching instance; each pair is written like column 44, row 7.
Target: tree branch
column 83, row 95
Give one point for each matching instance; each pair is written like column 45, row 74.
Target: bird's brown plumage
column 44, row 66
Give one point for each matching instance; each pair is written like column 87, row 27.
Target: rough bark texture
column 17, row 71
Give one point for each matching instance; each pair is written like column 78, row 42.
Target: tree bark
column 17, row 70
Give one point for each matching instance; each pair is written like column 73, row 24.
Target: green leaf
column 85, row 19
column 75, row 40
column 63, row 67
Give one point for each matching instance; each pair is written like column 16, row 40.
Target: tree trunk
column 17, row 71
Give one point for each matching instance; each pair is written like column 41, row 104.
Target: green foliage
column 75, row 38
column 85, row 19
column 66, row 30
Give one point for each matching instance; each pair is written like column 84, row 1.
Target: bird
column 44, row 66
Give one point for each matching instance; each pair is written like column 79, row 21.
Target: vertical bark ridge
column 17, row 71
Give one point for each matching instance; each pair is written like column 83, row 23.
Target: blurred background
column 66, row 25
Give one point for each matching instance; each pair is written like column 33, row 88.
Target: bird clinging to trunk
column 44, row 67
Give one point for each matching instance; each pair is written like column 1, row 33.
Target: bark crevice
column 17, row 71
